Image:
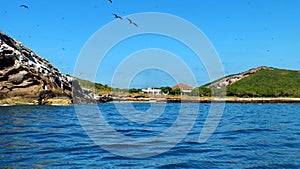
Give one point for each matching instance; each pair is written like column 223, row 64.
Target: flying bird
column 131, row 22
column 118, row 17
column 24, row 6
column 110, row 1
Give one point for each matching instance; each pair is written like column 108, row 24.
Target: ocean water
column 247, row 136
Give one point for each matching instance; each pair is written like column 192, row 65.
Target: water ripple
column 249, row 136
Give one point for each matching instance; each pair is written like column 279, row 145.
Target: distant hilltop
column 229, row 80
column 27, row 77
column 259, row 82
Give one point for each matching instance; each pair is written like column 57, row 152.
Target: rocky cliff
column 24, row 74
column 227, row 81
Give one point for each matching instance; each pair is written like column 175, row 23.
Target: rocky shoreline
column 210, row 100
column 107, row 99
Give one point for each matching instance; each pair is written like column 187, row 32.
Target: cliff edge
column 27, row 76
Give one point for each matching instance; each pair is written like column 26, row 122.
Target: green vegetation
column 134, row 90
column 267, row 83
column 204, row 91
column 201, row 91
column 96, row 87
column 175, row 91
column 166, row 89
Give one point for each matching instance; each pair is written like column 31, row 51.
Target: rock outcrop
column 227, row 81
column 24, row 74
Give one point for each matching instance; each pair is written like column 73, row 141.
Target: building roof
column 182, row 86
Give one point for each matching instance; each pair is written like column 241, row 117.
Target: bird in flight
column 24, row 6
column 110, row 1
column 118, row 17
column 131, row 22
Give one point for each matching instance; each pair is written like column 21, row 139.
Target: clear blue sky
column 245, row 33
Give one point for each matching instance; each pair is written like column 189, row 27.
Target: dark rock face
column 105, row 98
column 80, row 95
column 25, row 74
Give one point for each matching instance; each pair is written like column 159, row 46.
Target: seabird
column 131, row 22
column 110, row 1
column 118, row 17
column 24, row 6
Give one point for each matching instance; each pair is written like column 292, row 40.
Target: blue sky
column 245, row 33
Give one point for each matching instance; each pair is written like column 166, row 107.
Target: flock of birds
column 119, row 17
column 130, row 21
column 24, row 6
column 115, row 15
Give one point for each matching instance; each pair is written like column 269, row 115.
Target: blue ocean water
column 248, row 136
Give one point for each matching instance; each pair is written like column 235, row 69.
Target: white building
column 151, row 90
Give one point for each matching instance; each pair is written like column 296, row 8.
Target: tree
column 176, row 91
column 134, row 90
column 195, row 92
column 166, row 89
column 204, row 91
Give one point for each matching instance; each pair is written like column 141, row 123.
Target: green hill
column 258, row 82
column 267, row 83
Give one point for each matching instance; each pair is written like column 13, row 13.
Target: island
column 27, row 78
